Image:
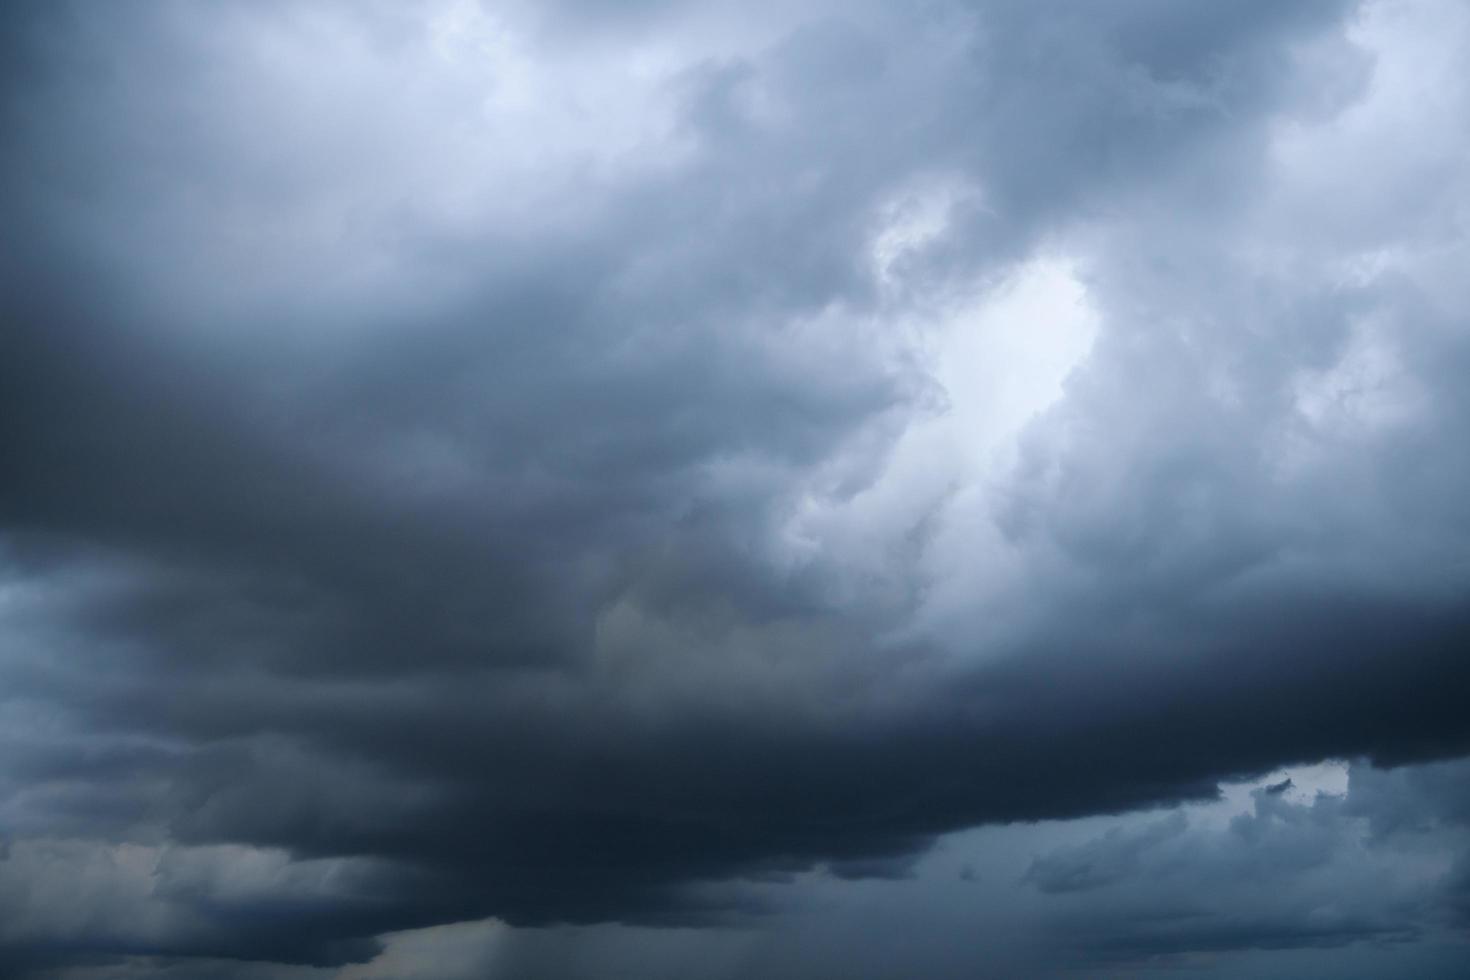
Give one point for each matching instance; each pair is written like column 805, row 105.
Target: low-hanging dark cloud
column 470, row 462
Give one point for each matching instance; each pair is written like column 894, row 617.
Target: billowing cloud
column 577, row 466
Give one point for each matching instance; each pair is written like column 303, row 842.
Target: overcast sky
column 823, row 488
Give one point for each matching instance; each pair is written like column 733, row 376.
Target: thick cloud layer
column 572, row 463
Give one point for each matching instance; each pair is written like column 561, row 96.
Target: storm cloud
column 618, row 471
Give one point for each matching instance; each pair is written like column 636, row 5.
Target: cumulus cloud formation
column 539, row 488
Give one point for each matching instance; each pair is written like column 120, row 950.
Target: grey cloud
column 404, row 430
column 1288, row 873
column 1103, row 861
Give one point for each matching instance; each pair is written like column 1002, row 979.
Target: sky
column 821, row 488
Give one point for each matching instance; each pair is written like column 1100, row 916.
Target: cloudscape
column 803, row 489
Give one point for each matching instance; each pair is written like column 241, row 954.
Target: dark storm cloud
column 400, row 456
